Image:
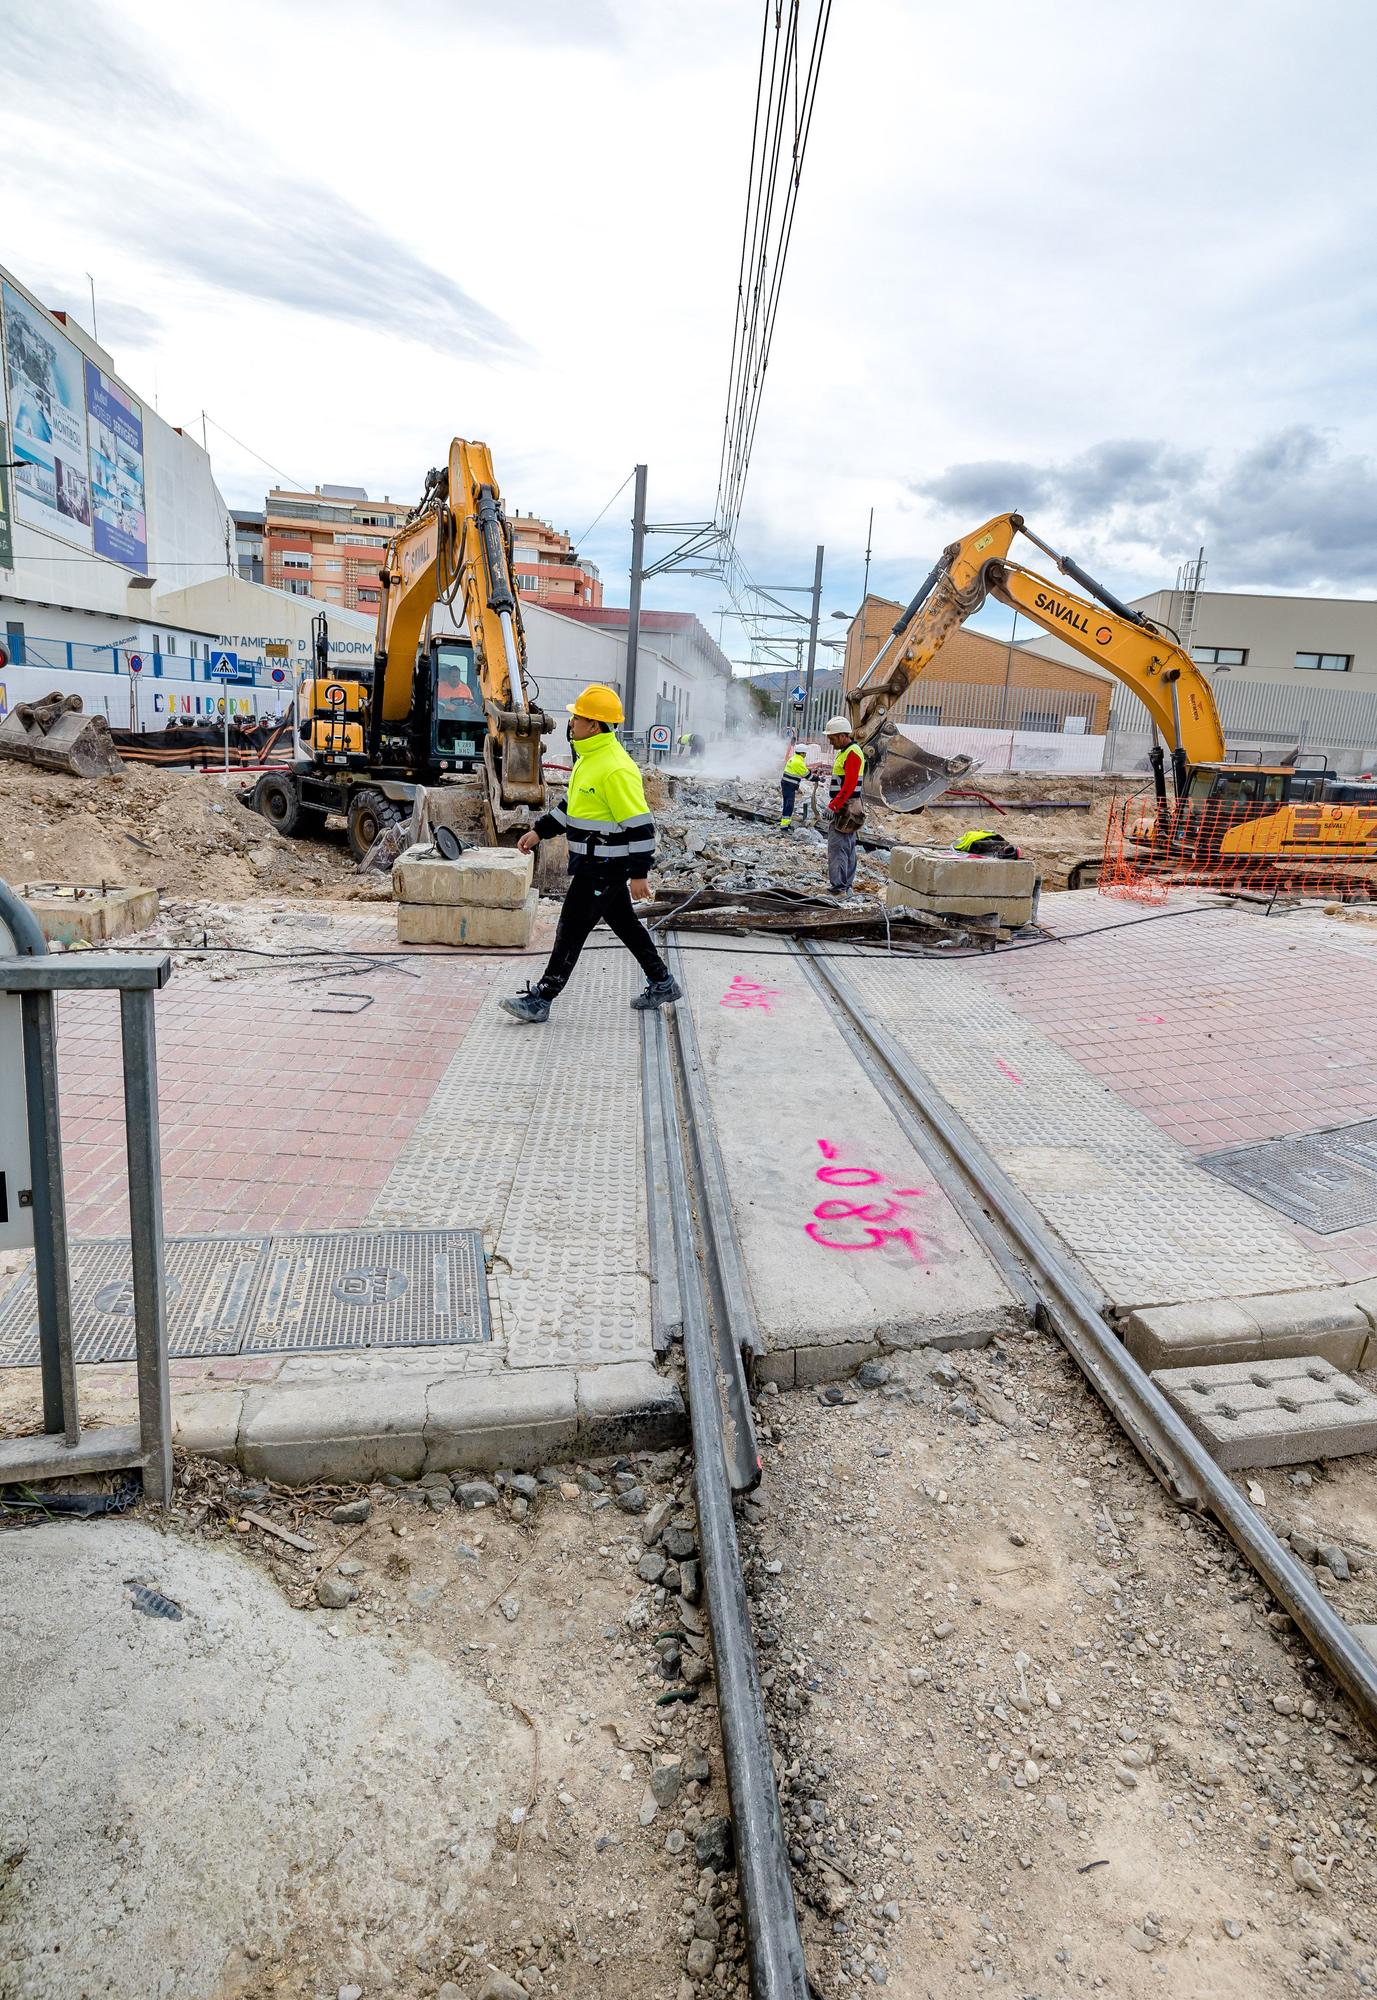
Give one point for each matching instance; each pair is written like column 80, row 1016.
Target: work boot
column 659, row 993
column 527, row 1006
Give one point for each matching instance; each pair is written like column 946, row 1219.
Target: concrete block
column 831, row 1364
column 935, row 871
column 1331, row 1323
column 1010, row 910
column 206, row 1422
column 496, row 878
column 1364, row 1296
column 1273, row 1412
column 335, row 1432
column 68, row 914
column 524, row 1417
column 779, row 1366
column 468, row 923
column 1193, row 1336
column 628, row 1406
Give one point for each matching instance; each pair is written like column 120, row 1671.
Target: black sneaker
column 659, row 993
column 527, row 1006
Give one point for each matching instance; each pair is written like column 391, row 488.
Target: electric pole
column 813, row 632
column 633, row 615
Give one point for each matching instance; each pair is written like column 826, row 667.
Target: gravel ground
column 1040, row 1729
column 426, row 1757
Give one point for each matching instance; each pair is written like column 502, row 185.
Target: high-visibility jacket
column 604, row 817
column 848, row 768
column 796, row 765
column 966, row 841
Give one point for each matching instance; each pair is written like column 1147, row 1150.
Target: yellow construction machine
column 1277, row 813
column 437, row 709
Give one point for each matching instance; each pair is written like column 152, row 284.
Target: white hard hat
column 838, row 726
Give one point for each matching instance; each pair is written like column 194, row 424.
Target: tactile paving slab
column 534, row 1134
column 242, row 1294
column 1127, row 1200
column 1327, row 1180
column 1249, row 1413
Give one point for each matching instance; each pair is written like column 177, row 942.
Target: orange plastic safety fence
column 1264, row 845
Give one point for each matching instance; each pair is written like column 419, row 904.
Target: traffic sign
column 224, row 666
column 277, row 649
column 800, row 694
column 279, row 675
column 136, row 663
column 659, row 736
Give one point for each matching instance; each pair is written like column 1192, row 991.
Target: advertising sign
column 117, row 492
column 52, row 486
column 6, row 538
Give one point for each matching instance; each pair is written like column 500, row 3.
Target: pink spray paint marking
column 870, row 1216
column 743, row 993
column 1152, row 1020
column 1005, row 1070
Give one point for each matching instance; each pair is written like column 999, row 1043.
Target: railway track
column 702, row 1298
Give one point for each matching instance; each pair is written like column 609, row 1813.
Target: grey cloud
column 1288, row 513
column 270, row 235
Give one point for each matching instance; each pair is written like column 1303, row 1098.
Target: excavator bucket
column 56, row 735
column 907, row 777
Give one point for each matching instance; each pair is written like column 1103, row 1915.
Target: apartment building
column 549, row 569
column 329, row 543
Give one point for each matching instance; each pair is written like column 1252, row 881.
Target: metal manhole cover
column 243, row 1294
column 1326, row 1180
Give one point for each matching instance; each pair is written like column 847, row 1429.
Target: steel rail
column 1071, row 1307
column 774, row 1947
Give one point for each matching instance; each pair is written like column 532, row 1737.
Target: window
column 334, row 593
column 367, row 596
column 295, row 588
column 1325, row 663
column 1220, row 656
column 527, row 582
column 296, row 562
column 334, row 568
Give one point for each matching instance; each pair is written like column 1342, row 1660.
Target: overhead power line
column 786, row 91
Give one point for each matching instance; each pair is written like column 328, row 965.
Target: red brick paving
column 1223, row 1028
column 273, row 1116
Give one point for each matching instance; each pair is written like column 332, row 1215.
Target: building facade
column 549, row 569
column 248, row 544
column 976, row 681
column 688, row 692
column 329, row 544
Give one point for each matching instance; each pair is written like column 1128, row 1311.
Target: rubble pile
column 698, row 846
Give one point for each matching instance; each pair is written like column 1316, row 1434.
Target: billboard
column 52, row 487
column 118, row 520
column 6, row 538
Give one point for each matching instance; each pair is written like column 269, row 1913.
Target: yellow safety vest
column 796, row 766
column 839, row 769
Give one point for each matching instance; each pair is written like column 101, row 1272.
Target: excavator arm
column 456, row 550
column 1124, row 642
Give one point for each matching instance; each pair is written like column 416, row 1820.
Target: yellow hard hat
column 599, row 703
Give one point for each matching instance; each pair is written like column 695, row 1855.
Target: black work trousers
column 596, row 896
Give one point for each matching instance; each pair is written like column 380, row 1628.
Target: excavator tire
column 369, row 815
column 279, row 802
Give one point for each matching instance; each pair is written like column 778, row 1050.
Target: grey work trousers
column 841, row 860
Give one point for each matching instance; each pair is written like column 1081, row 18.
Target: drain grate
column 244, row 1294
column 1327, row 1180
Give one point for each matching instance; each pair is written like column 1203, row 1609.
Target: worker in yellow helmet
column 794, row 772
column 611, row 838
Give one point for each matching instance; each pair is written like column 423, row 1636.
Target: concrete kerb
column 416, row 1421
column 1338, row 1323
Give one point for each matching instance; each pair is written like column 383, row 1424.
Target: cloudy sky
column 1110, row 265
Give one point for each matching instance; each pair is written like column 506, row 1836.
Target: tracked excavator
column 457, row 712
column 1217, row 811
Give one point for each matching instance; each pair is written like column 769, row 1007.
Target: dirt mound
column 182, row 832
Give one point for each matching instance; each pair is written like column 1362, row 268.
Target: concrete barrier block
column 73, row 915
column 471, row 924
column 1010, row 910
column 935, row 871
column 1330, row 1323
column 495, row 878
column 1214, row 1330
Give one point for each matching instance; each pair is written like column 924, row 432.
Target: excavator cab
column 458, row 724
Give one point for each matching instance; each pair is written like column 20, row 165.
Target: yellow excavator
column 1273, row 812
column 437, row 709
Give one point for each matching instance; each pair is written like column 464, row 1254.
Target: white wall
column 1011, row 749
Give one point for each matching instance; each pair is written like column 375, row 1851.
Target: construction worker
column 844, row 805
column 794, row 772
column 611, row 839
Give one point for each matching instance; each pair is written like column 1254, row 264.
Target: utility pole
column 813, row 633
column 869, row 538
column 633, row 616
